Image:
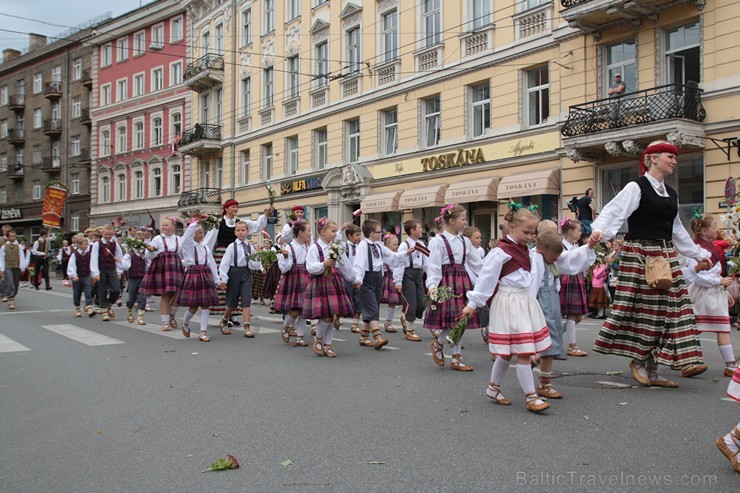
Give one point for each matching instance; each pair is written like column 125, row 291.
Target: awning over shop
column 416, row 198
column 545, row 182
column 473, row 191
column 380, row 202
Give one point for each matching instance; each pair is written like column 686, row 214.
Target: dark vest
column 138, row 267
column 653, row 219
column 226, row 235
column 83, row 264
column 107, row 259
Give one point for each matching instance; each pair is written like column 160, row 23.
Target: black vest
column 653, row 219
column 226, row 235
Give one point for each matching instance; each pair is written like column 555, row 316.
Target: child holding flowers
column 449, row 258
column 291, row 292
column 391, row 290
column 136, row 263
column 573, row 299
column 164, row 275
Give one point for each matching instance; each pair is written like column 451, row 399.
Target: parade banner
column 53, row 207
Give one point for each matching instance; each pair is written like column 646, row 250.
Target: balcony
column 52, row 127
column 53, row 89
column 596, row 15
column 17, row 103
column 85, row 117
column 16, row 172
column 52, row 165
column 205, row 73
column 87, row 79
column 16, row 137
column 201, row 140
column 206, row 200
column 618, row 125
column 84, row 158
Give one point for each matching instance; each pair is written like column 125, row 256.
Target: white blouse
column 706, row 278
column 385, row 256
column 490, row 276
column 570, row 262
column 173, row 242
column 315, row 266
column 438, row 257
column 190, row 246
column 286, row 263
column 254, row 227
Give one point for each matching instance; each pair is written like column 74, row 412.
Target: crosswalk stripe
column 86, row 337
column 26, row 312
column 727, row 399
column 155, row 329
column 8, row 345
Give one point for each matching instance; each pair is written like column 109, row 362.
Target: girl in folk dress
column 164, row 275
column 573, row 300
column 198, row 287
column 449, row 260
column 326, row 294
column 291, row 292
column 391, row 291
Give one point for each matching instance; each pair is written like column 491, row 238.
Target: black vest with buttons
column 653, row 219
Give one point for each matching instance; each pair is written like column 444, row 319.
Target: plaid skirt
column 197, row 288
column 390, row 295
column 598, row 298
column 271, row 282
column 573, row 300
column 258, row 283
column 648, row 322
column 163, row 276
column 325, row 297
column 292, row 290
column 220, row 307
column 443, row 316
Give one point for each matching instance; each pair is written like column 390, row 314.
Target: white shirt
column 72, row 265
column 190, row 246
column 252, row 227
column 301, row 251
column 242, row 260
column 315, row 266
column 287, row 233
column 490, row 276
column 174, row 243
column 706, row 278
column 62, row 251
column 350, row 249
column 438, row 256
column 615, row 213
column 570, row 262
column 385, row 256
column 35, row 248
column 95, row 253
column 22, row 253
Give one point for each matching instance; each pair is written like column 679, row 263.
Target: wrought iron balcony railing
column 572, row 3
column 52, row 126
column 210, row 61
column 53, row 89
column 200, row 196
column 17, row 102
column 87, row 78
column 651, row 105
column 200, row 132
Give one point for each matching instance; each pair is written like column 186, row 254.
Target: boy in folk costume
column 135, row 264
column 105, row 257
column 40, row 257
column 353, row 236
column 78, row 270
column 13, row 261
column 410, row 276
column 63, row 259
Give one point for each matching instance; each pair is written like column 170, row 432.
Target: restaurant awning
column 473, row 191
column 545, row 182
column 416, row 198
column 380, row 202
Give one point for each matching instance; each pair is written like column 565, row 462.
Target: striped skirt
column 220, row 307
column 648, row 322
column 163, row 276
column 517, row 325
column 390, row 295
column 292, row 290
column 733, row 389
column 711, row 308
column 444, row 315
column 326, row 296
column 198, row 288
column 573, row 299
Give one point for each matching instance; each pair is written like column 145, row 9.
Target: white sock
column 389, row 314
column 165, row 319
column 300, row 326
column 188, row 316
column 570, row 327
column 410, row 326
column 442, row 335
column 173, row 310
column 457, row 348
column 329, row 335
column 321, row 329
column 204, row 313
column 525, row 377
column 728, row 355
column 499, row 370
column 288, row 321
column 732, row 444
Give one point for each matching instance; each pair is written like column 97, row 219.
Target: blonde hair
column 549, row 241
column 519, row 216
column 546, row 225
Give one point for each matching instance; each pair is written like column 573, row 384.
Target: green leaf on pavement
column 286, row 463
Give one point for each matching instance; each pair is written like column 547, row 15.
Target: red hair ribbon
column 656, row 149
column 228, row 204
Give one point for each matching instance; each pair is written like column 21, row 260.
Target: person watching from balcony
column 617, row 88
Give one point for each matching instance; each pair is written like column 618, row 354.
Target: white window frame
column 218, row 172
column 247, row 27
column 56, row 74
column 105, row 143
column 74, row 221
column 268, row 16
column 139, row 43
column 76, row 107
column 620, row 67
column 479, row 14
column 105, row 189
column 291, row 156
column 246, row 97
column 268, row 87
column 482, row 108
column 155, row 173
column 321, row 64
column 122, row 49
column 431, row 17
column 3, row 95
column 267, row 161
column 175, row 73
column 205, row 100
column 137, row 185
column 432, row 116
column 3, row 195
column 205, row 43
column 352, row 127
column 293, row 64
column 38, row 118
column 77, row 69
column 390, row 131
column 105, row 94
column 353, row 49
column 157, row 137
column 533, row 91
column 75, row 180
column 244, row 166
column 175, row 180
column 292, row 9
column 121, row 187
column 106, row 55
column 321, row 153
column 157, row 35
column 177, row 31
column 38, row 83
column 218, row 38
column 36, row 190
column 3, row 161
column 157, row 86
column 175, row 126
column 75, row 146
column 138, row 140
column 121, row 90
column 121, row 138
column 139, row 82
column 389, row 36
column 56, row 110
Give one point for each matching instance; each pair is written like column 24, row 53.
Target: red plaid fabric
column 573, row 300
column 390, row 295
column 164, row 275
column 421, row 248
column 717, row 255
column 326, row 295
column 292, row 290
column 198, row 288
column 519, row 256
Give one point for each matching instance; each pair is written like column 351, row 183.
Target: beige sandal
column 329, row 352
column 494, row 392
column 438, row 354
column 535, row 405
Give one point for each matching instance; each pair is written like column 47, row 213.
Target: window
column 267, row 162
column 4, row 95
column 205, row 174
column 683, row 54
column 267, row 99
column 218, row 181
column 75, row 148
column 293, row 77
column 432, row 121
column 19, row 158
column 157, row 79
column 322, row 64
column 75, row 178
column 122, row 90
column 320, row 154
column 139, row 43
column 620, row 60
column 390, row 131
column 77, row 69
column 219, row 39
column 56, row 110
column 176, row 30
column 293, row 10
column 3, row 195
column 38, row 83
column 431, row 22
column 104, row 189
column 122, row 141
column 247, row 27
column 4, row 161
column 481, row 109
column 139, row 85
column 4, row 128
column 219, row 105
column 56, row 74
column 204, row 99
column 157, row 37
column 122, row 46
column 37, row 118
column 138, row 190
column 56, row 153
column 176, row 180
column 36, row 156
column 138, row 135
column 205, row 43
column 105, row 55
column 530, row 4
column 105, row 95
column 76, row 107
column 156, row 190
column 105, row 143
column 36, row 189
column 121, row 187
column 538, row 96
column 291, row 149
column 390, row 35
column 21, row 87
column 74, row 221
column 480, row 13
column 176, row 120
column 352, row 39
column 246, row 97
column 268, row 23
column 176, row 74
column 157, row 137
column 353, row 140
column 244, row 166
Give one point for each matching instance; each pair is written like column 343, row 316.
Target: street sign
column 730, row 191
column 722, row 205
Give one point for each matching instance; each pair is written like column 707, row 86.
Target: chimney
column 10, row 54
column 36, row 41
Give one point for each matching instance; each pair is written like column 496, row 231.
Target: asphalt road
column 140, row 410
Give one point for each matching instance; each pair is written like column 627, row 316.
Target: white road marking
column 155, row 329
column 8, row 345
column 727, row 399
column 615, row 384
column 71, row 311
column 86, row 337
column 446, row 355
column 339, row 340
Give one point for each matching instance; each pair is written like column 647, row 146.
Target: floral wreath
column 564, row 221
column 388, row 235
column 321, row 222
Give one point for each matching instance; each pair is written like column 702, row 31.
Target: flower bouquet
column 211, row 221
column 228, row 462
column 266, row 256
column 270, row 193
column 133, row 245
column 289, row 216
column 335, row 253
column 457, row 332
column 439, row 295
column 733, row 266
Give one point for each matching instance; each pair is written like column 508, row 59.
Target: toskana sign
column 6, row 214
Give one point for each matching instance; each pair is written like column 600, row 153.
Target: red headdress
column 297, row 208
column 656, row 149
column 228, row 204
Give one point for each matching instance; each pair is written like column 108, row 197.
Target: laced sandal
column 438, row 354
column 379, row 342
column 165, row 327
column 173, row 322
column 318, row 346
column 130, row 317
column 457, row 364
column 106, row 318
column 435, row 333
column 574, row 351
column 355, row 329
column 78, row 312
column 300, row 343
column 549, row 392
column 292, row 332
column 185, row 328
column 140, row 320
column 658, row 381
column 729, row 371
column 313, row 331
column 90, row 311
column 535, row 405
column 641, row 379
column 248, row 331
column 410, row 335
column 404, row 327
column 689, row 371
column 204, row 337
column 285, row 335
column 329, row 352
column 224, row 324
column 389, row 328
column 494, row 392
column 484, row 334
column 731, row 456
column 337, row 322
column 366, row 342
column 148, row 309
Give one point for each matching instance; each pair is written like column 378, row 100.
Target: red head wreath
column 656, row 149
column 228, row 204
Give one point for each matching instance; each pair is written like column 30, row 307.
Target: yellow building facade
column 401, row 107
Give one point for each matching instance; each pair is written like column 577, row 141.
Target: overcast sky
column 65, row 13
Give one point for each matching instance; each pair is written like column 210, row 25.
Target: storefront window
column 319, row 212
column 392, row 221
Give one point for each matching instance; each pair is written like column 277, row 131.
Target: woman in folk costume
column 573, row 299
column 291, row 293
column 647, row 325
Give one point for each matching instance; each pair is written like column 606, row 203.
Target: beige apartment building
column 399, row 107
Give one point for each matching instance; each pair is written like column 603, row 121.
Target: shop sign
column 298, row 186
column 453, row 159
column 6, row 214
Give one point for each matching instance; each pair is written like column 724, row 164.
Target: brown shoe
column 549, row 392
column 457, row 364
column 337, row 323
column 494, row 392
column 640, row 379
column 658, row 381
column 141, row 321
column 11, row 305
column 574, row 351
column 329, row 352
column 106, row 318
column 410, row 335
column 355, row 329
column 185, row 329
column 731, row 456
column 165, row 327
column 379, row 341
column 300, row 343
column 292, row 332
column 389, row 328
column 366, row 342
column 318, row 346
column 112, row 314
column 729, row 371
column 130, row 317
column 173, row 322
column 438, row 354
column 203, row 337
column 285, row 335
column 224, row 324
column 689, row 371
column 533, row 406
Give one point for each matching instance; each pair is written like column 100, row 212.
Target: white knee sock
column 188, row 316
column 321, row 329
column 204, row 313
column 499, row 370
column 526, row 379
column 442, row 335
column 173, row 310
column 457, row 348
column 300, row 326
column 390, row 313
column 570, row 327
column 165, row 319
column 410, row 326
column 329, row 335
column 728, row 355
column 288, row 321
